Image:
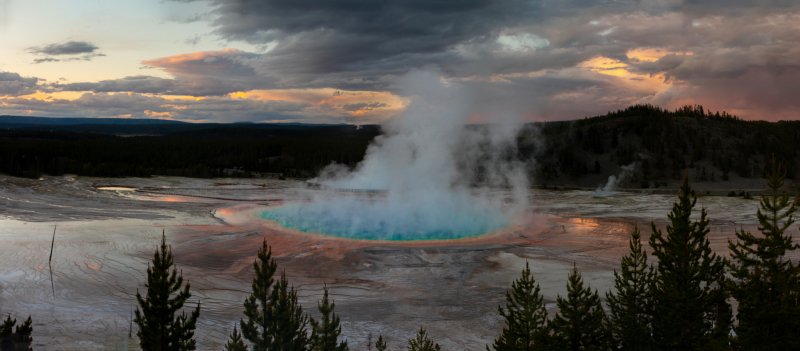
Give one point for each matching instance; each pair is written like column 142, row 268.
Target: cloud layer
column 12, row 84
column 538, row 59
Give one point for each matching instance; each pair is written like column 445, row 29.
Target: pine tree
column 289, row 326
column 380, row 344
column 630, row 307
column 580, row 323
column 325, row 332
column 764, row 279
column 422, row 342
column 235, row 342
column 525, row 316
column 257, row 306
column 22, row 335
column 15, row 337
column 688, row 299
column 274, row 320
column 159, row 326
column 722, row 319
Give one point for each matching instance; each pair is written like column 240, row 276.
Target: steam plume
column 614, row 181
column 430, row 175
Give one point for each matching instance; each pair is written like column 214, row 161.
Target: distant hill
column 147, row 127
column 650, row 147
column 74, row 121
column 643, row 146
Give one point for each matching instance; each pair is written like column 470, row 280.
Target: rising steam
column 431, row 175
column 613, row 182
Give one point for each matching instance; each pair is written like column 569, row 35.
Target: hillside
column 652, row 147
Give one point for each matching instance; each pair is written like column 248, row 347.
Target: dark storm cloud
column 12, row 84
column 365, row 44
column 362, row 41
column 536, row 56
column 407, row 25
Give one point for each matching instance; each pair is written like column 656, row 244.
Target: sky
column 340, row 61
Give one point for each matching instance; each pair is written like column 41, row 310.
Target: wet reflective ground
column 107, row 229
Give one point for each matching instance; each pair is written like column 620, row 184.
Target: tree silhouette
column 380, row 344
column 765, row 281
column 159, row 326
column 15, row 337
column 524, row 314
column 630, row 306
column 258, row 309
column 580, row 323
column 235, row 342
column 688, row 299
column 325, row 331
column 274, row 320
column 422, row 342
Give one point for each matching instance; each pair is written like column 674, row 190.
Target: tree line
column 682, row 301
column 713, row 146
column 215, row 151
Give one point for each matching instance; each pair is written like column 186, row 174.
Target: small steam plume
column 430, row 175
column 614, row 181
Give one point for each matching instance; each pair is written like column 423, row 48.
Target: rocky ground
column 107, row 229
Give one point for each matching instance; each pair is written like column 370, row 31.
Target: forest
column 662, row 145
column 190, row 151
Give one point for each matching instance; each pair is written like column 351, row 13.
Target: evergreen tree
column 722, row 318
column 688, row 299
column 289, row 325
column 235, row 342
column 380, row 344
column 159, row 327
column 22, row 335
column 274, row 319
column 580, row 323
column 15, row 337
column 325, row 332
column 524, row 314
column 422, row 342
column 257, row 306
column 630, row 307
column 764, row 279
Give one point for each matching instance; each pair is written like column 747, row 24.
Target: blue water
column 373, row 222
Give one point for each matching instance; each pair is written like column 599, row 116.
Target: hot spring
column 430, row 175
column 380, row 218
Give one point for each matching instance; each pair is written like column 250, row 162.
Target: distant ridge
column 158, row 127
column 6, row 120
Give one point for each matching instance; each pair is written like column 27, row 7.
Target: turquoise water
column 372, row 221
